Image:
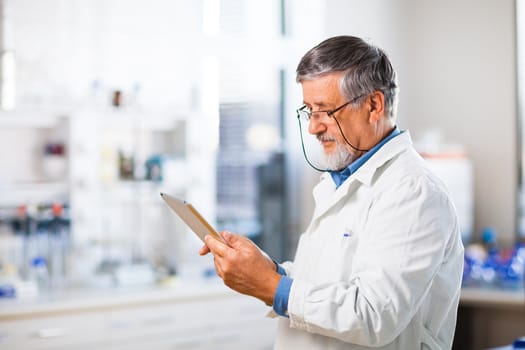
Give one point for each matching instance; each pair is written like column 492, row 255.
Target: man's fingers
column 215, row 246
column 232, row 240
column 226, row 236
column 204, row 250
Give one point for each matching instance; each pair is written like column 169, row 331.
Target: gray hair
column 366, row 69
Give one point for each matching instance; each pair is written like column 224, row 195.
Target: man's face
column 322, row 94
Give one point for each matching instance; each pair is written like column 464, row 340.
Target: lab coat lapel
column 325, row 193
column 322, row 192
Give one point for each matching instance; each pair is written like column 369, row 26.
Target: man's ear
column 376, row 102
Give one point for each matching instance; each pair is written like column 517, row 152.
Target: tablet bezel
column 190, row 216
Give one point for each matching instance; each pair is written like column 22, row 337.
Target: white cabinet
column 224, row 323
column 24, row 176
column 55, row 332
column 126, row 212
column 218, row 320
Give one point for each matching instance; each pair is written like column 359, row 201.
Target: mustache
column 325, row 137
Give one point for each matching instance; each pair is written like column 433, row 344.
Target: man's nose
column 316, row 126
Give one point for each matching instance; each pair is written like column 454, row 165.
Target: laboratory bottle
column 491, row 265
column 58, row 241
column 39, row 273
column 511, row 272
column 488, row 236
column 23, row 226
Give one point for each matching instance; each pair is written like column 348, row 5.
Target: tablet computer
column 190, row 216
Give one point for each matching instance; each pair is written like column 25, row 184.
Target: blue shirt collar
column 341, row 175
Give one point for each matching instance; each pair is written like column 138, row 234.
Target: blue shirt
column 282, row 294
column 340, row 176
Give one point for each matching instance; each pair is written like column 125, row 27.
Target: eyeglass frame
column 330, row 113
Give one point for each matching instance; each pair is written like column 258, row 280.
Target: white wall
column 455, row 60
column 456, row 65
column 63, row 47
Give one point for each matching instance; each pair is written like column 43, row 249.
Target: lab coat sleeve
column 406, row 232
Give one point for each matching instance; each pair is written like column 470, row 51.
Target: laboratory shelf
column 126, row 119
column 41, row 118
column 49, row 117
column 15, row 194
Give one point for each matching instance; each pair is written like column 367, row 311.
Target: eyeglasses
column 305, row 113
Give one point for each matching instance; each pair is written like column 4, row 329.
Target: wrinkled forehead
column 322, row 91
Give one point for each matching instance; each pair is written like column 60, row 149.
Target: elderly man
column 380, row 264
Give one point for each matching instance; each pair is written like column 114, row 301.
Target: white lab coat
column 380, row 265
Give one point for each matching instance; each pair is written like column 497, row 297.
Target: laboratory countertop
column 492, row 297
column 95, row 299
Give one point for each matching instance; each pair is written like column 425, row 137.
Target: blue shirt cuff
column 280, row 299
column 280, row 270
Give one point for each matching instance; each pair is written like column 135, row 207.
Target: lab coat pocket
column 344, row 253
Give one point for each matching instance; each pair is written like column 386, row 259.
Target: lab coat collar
column 325, row 193
column 391, row 149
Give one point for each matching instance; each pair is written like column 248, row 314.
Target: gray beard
column 339, row 159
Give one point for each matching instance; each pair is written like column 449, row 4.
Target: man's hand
column 242, row 266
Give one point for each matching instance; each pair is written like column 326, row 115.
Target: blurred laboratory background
column 106, row 103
